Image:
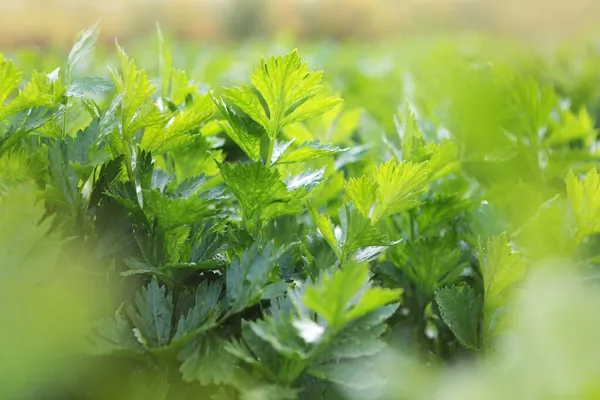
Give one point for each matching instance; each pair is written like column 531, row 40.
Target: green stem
column 270, row 152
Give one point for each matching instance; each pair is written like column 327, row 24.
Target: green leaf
column 278, row 328
column 443, row 161
column 584, row 198
column 248, row 275
column 362, row 337
column 325, row 228
column 208, row 362
column 63, row 175
column 87, row 150
column 355, row 374
column 346, row 295
column 83, row 45
column 501, row 268
column 137, row 267
column 177, row 131
column 203, row 315
column 459, row 307
column 363, row 192
column 88, row 85
column 245, row 132
column 262, row 194
column 152, row 314
column 114, row 336
column 428, row 262
column 572, row 127
column 393, row 188
column 174, row 212
column 358, row 232
column 284, row 92
column 9, row 79
column 307, row 151
column 138, row 111
column 40, row 91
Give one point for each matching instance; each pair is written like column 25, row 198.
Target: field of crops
column 414, row 219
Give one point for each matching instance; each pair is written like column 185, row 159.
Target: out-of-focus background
column 44, row 21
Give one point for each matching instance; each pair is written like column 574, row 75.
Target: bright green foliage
column 136, row 111
column 575, row 126
column 325, row 228
column 83, row 46
column 177, row 130
column 393, row 188
column 428, row 263
column 262, row 194
column 290, row 93
column 9, row 78
column 305, row 152
column 283, row 92
column 88, row 85
column 584, row 198
column 336, row 299
column 242, row 130
column 40, row 92
column 182, row 241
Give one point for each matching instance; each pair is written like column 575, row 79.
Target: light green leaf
column 176, row 132
column 88, row 85
column 358, row 233
column 393, row 188
column 346, row 295
column 584, row 198
column 262, row 194
column 83, row 45
column 138, row 109
column 245, row 132
column 428, row 262
column 39, row 92
column 306, row 152
column 284, row 92
column 372, row 299
column 444, row 159
column 501, row 268
column 399, row 187
column 9, row 79
column 459, row 307
column 174, row 212
column 325, row 227
column 572, row 126
column 363, row 192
